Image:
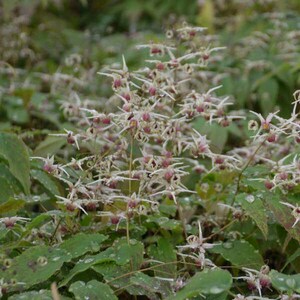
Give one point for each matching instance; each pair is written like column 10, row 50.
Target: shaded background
column 259, row 69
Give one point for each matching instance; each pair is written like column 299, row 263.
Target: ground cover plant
column 167, row 168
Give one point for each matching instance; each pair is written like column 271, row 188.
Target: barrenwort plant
column 140, row 203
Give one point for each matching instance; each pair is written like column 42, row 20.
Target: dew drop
column 290, row 282
column 281, row 279
column 228, row 245
column 56, row 258
column 215, row 290
column 36, row 198
column 250, row 198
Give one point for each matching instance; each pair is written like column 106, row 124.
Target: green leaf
column 119, row 277
column 168, row 209
column 34, row 295
column 6, row 190
column 283, row 215
column 12, row 205
column 165, row 222
column 87, row 262
column 255, row 210
column 132, row 253
column 240, row 253
column 15, row 153
column 152, row 285
column 218, row 136
column 120, row 252
column 46, row 180
column 284, row 282
column 49, row 146
column 208, row 282
column 291, row 258
column 92, row 290
column 36, row 264
column 8, row 176
column 268, row 91
column 17, row 115
column 82, row 243
column 164, row 252
column 38, row 221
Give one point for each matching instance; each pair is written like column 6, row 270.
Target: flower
column 10, row 222
column 71, row 137
column 265, row 124
column 197, row 242
column 295, row 211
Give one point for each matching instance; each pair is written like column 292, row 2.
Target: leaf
column 46, row 180
column 218, row 136
column 168, row 209
column 38, row 221
column 14, row 184
column 6, row 190
column 255, row 210
column 268, row 91
column 15, row 152
column 12, row 205
column 120, row 252
column 240, row 253
column 165, row 222
column 36, row 264
column 150, row 284
column 119, row 277
column 284, row 282
column 291, row 258
column 17, row 115
column 92, row 290
column 49, row 146
column 283, row 215
column 34, row 295
column 132, row 253
column 87, row 262
column 209, row 281
column 82, row 243
column 165, row 253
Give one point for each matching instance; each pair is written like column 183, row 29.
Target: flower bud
column 115, row 219
column 117, row 83
column 269, row 184
column 152, row 91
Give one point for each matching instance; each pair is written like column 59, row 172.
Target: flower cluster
column 198, row 246
column 141, row 148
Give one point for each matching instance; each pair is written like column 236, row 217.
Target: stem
column 181, row 219
column 129, row 187
column 129, row 192
column 286, row 242
column 130, row 163
column 146, row 269
column 244, row 168
column 54, row 291
column 55, row 230
column 221, row 229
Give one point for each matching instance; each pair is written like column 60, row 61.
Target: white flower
column 197, row 242
column 10, row 222
column 295, row 212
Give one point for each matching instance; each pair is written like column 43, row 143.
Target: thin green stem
column 244, row 168
column 180, row 214
column 221, row 229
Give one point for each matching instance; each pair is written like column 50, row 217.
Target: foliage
column 149, row 166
